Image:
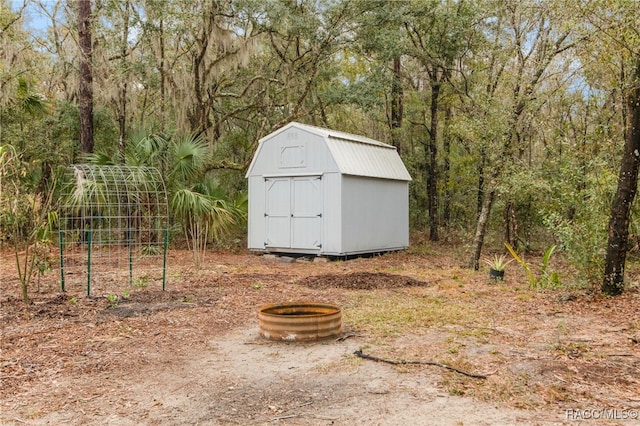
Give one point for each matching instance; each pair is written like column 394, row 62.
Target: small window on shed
column 292, row 156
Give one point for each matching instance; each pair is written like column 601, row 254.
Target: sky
column 35, row 19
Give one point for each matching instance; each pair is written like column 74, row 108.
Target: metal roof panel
column 364, row 159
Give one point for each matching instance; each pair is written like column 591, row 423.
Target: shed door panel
column 278, row 212
column 306, row 218
column 294, row 212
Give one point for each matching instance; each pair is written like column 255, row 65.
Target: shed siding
column 375, row 214
column 256, row 223
column 332, row 215
column 291, row 153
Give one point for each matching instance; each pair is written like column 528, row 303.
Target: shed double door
column 294, row 213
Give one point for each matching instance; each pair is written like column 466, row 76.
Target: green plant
column 73, row 300
column 582, row 235
column 141, row 282
column 150, row 250
column 113, row 300
column 26, row 217
column 583, row 241
column 498, row 263
column 545, row 278
column 42, row 258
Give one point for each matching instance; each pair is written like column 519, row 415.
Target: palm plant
column 498, row 262
column 204, row 214
column 25, row 218
column 195, row 202
column 25, row 214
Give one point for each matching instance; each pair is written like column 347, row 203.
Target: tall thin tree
column 613, row 283
column 85, row 92
column 397, row 103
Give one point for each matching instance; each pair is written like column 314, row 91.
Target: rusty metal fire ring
column 299, row 321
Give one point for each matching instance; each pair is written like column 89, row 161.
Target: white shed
column 319, row 191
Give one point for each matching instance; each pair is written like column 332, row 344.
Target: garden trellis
column 113, row 229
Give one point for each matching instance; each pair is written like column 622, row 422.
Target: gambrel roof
column 354, row 155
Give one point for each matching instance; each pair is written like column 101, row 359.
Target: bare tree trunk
column 122, row 93
column 613, row 282
column 510, row 224
column 481, row 167
column 446, row 145
column 432, row 161
column 85, row 96
column 481, row 229
column 163, row 114
column 397, row 104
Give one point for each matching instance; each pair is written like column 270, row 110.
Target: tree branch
column 360, row 354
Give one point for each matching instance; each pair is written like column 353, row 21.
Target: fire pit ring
column 299, row 321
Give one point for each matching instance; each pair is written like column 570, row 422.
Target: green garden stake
column 130, row 242
column 60, row 242
column 89, row 263
column 164, row 261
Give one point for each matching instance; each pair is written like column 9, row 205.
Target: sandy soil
column 192, row 354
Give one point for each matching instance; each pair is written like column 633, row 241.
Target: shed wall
column 292, row 152
column 256, row 222
column 375, row 214
column 332, row 215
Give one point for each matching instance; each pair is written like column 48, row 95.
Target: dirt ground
column 192, row 354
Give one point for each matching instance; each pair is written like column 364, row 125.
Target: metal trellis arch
column 113, row 227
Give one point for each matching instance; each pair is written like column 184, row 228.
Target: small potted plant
column 497, row 265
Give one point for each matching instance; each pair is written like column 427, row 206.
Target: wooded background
column 516, row 118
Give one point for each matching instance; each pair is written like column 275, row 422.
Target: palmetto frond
column 28, row 100
column 145, row 149
column 241, row 202
column 188, row 156
column 186, row 204
column 99, row 159
column 227, row 212
column 203, row 216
